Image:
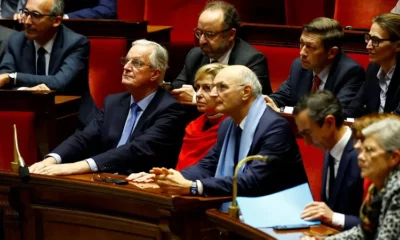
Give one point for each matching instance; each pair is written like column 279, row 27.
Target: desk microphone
column 18, row 165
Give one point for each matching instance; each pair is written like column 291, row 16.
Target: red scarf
column 197, row 143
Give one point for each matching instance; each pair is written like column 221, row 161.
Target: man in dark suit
column 48, row 55
column 5, row 34
column 322, row 66
column 134, row 131
column 252, row 129
column 99, row 9
column 319, row 119
column 10, row 7
column 216, row 31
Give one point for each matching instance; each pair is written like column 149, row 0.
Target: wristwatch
column 193, row 189
column 12, row 77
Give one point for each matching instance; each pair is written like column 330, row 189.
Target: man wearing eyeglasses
column 319, row 118
column 322, row 65
column 48, row 55
column 217, row 27
column 135, row 131
column 251, row 129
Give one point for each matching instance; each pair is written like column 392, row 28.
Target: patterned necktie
column 41, row 62
column 129, row 125
column 316, row 82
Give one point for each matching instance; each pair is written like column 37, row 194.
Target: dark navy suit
column 368, row 98
column 347, row 188
column 242, row 54
column 67, row 71
column 273, row 137
column 5, row 34
column 155, row 141
column 100, row 9
column 344, row 80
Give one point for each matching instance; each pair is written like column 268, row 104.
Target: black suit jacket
column 368, row 98
column 347, row 188
column 5, row 34
column 68, row 67
column 273, row 137
column 241, row 54
column 103, row 9
column 344, row 80
column 155, row 141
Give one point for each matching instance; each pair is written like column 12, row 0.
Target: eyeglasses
column 136, row 63
column 305, row 133
column 375, row 40
column 107, row 179
column 35, row 16
column 208, row 35
column 221, row 86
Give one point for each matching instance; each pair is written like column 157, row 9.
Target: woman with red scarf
column 201, row 133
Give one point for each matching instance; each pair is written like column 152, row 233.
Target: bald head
column 241, row 75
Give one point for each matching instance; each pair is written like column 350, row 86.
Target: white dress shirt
column 384, row 82
column 323, row 75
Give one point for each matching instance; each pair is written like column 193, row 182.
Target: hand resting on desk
column 50, row 167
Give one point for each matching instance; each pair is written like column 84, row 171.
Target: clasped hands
column 169, row 180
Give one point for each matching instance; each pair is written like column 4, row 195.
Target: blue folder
column 277, row 209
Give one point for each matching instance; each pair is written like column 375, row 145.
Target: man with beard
column 48, row 55
column 216, row 30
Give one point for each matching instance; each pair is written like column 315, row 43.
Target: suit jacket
column 5, row 34
column 103, row 9
column 10, row 7
column 344, row 80
column 347, row 188
column 368, row 97
column 155, row 141
column 68, row 67
column 241, row 54
column 273, row 137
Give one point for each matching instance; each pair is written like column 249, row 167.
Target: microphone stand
column 233, row 210
column 18, row 165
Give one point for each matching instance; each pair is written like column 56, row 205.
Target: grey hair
column 158, row 58
column 248, row 77
column 58, row 8
column 387, row 132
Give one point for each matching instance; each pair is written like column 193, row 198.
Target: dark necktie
column 41, row 62
column 316, row 82
column 238, row 135
column 331, row 163
column 214, row 61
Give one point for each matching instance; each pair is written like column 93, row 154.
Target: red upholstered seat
column 279, row 61
column 300, row 12
column 313, row 160
column 26, row 137
column 130, row 10
column 359, row 13
column 361, row 58
column 105, row 69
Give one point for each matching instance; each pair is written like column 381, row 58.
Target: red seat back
column 361, row 58
column 105, row 69
column 130, row 10
column 310, row 9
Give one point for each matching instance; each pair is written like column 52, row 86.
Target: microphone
column 18, row 165
column 233, row 210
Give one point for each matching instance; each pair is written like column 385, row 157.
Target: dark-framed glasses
column 207, row 34
column 136, row 63
column 375, row 40
column 35, row 15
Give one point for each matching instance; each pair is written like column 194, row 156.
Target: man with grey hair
column 135, row 131
column 48, row 56
column 251, row 129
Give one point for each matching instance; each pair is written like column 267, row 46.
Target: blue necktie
column 129, row 125
column 41, row 62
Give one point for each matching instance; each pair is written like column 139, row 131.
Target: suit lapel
column 344, row 163
column 393, row 91
column 120, row 114
column 29, row 56
column 56, row 52
column 324, row 176
column 305, row 83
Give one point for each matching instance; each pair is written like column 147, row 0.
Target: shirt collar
column 323, row 75
column 241, row 125
column 386, row 77
column 224, row 59
column 145, row 101
column 48, row 46
column 337, row 151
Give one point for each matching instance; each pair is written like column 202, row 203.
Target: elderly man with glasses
column 216, row 31
column 135, row 131
column 48, row 56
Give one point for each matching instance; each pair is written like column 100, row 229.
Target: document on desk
column 277, row 209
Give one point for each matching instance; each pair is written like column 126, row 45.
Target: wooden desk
column 235, row 229
column 159, row 34
column 76, row 207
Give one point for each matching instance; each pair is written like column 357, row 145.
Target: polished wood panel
column 235, row 229
column 159, row 34
column 76, row 207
